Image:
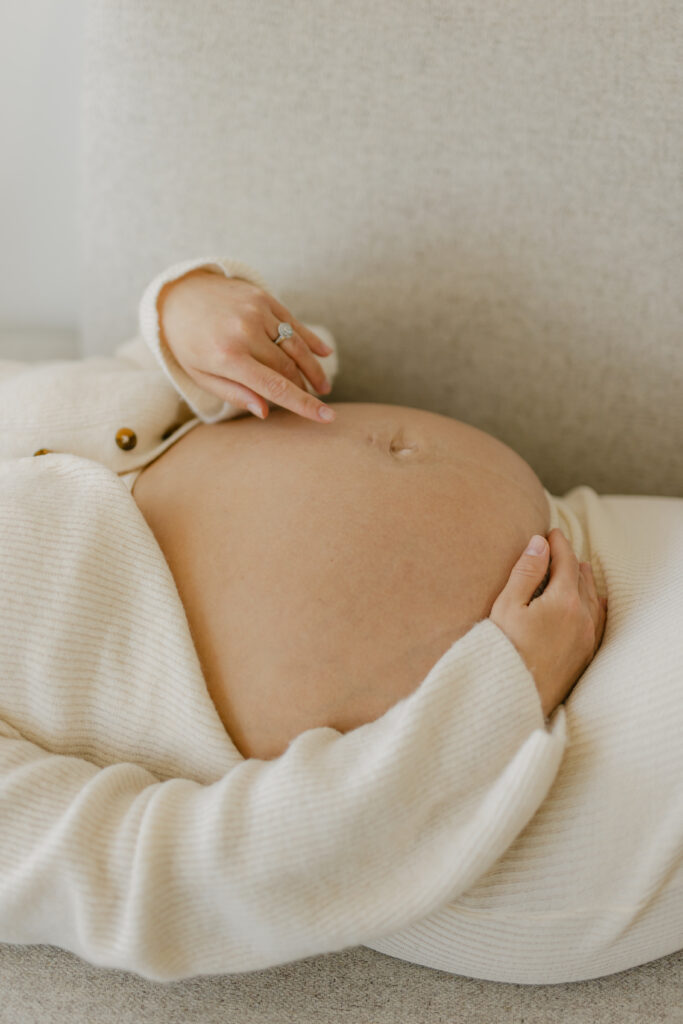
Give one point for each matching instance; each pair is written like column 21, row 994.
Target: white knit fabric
column 594, row 883
column 132, row 832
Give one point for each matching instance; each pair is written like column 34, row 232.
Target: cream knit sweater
column 132, row 832
column 594, row 883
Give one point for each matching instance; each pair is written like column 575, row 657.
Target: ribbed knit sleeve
column 132, row 832
column 340, row 840
column 206, row 406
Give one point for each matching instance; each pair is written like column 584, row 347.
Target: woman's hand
column 558, row 632
column 221, row 330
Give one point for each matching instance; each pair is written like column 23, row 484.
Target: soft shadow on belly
column 325, row 568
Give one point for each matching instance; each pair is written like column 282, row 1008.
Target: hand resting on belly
column 325, row 571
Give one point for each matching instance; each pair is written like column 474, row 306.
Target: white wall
column 40, row 81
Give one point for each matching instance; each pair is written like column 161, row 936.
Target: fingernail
column 326, row 388
column 536, row 545
column 325, row 413
column 255, row 409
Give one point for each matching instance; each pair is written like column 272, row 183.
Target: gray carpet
column 43, row 985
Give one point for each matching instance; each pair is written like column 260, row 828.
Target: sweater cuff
column 209, row 408
column 498, row 680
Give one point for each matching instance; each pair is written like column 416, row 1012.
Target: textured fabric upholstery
column 494, row 189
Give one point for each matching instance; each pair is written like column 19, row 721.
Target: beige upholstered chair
column 492, row 189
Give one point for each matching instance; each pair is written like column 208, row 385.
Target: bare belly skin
column 324, row 569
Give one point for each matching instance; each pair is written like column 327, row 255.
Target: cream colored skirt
column 594, row 883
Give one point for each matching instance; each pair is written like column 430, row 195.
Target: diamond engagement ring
column 284, row 330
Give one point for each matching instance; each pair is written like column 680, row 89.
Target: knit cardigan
column 132, row 832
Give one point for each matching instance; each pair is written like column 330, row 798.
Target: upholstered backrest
column 483, row 201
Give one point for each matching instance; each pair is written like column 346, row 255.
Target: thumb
column 528, row 571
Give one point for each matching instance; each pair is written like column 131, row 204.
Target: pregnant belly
column 325, row 568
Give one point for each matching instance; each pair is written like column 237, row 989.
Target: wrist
column 167, row 290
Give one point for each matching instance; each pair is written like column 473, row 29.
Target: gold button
column 43, row 451
column 126, row 439
column 170, row 430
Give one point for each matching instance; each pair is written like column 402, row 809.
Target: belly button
column 400, row 448
column 393, row 445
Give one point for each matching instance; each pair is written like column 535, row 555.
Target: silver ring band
column 284, row 330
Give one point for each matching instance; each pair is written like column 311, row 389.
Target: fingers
column 587, row 587
column 588, row 569
column 312, row 340
column 527, row 573
column 564, row 565
column 284, row 366
column 568, row 575
column 294, row 351
column 230, row 391
column 597, row 605
column 261, row 381
column 590, row 605
column 600, row 632
column 273, row 372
